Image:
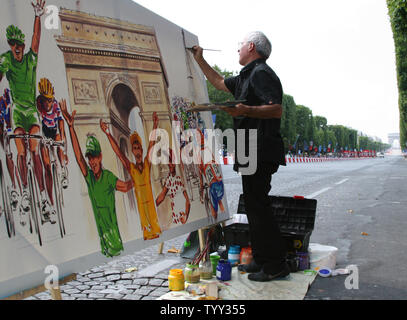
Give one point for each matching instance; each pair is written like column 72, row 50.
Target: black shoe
column 264, row 277
column 249, row 268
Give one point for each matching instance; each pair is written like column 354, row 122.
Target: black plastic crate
column 237, row 234
column 295, row 215
column 296, row 242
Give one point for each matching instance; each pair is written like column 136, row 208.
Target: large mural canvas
column 100, row 155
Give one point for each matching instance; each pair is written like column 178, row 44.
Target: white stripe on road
column 342, row 181
column 325, row 189
column 317, row 193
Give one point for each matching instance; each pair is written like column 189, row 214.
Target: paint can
column 176, row 280
column 234, row 255
column 303, row 261
column 224, row 270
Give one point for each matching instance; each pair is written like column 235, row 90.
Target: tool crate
column 295, row 216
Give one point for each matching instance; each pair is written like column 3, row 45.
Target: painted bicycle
column 59, row 178
column 6, row 203
column 32, row 213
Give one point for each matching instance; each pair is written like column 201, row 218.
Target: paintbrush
column 191, row 49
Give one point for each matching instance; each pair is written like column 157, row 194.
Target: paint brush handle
column 191, row 49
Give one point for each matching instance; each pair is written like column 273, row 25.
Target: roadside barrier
column 298, row 159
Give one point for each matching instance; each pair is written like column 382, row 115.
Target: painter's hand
column 241, row 110
column 237, row 111
column 197, row 51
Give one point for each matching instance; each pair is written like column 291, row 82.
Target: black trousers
column 268, row 247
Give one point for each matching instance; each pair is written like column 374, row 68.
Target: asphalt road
column 354, row 197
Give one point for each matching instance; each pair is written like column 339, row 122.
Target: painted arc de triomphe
column 115, row 72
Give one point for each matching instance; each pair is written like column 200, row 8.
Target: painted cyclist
column 52, row 128
column 20, row 70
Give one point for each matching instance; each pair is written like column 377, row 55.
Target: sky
column 335, row 57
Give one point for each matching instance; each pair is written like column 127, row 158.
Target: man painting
column 259, row 85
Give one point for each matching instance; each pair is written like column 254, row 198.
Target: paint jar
column 214, row 261
column 176, row 280
column 303, row 261
column 246, row 255
column 191, row 273
column 224, row 270
column 234, row 255
column 205, row 270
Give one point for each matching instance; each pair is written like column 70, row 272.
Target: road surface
column 354, row 197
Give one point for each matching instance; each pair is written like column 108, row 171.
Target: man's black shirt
column 258, row 84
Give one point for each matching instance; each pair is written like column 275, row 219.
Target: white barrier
column 299, row 159
column 230, row 161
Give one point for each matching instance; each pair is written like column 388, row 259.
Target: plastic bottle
column 234, row 255
column 176, row 280
column 246, row 255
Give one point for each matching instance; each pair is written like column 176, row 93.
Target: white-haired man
column 257, row 84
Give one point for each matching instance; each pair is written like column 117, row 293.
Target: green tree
column 397, row 10
column 223, row 120
column 288, row 122
column 321, row 125
column 319, row 138
column 303, row 117
column 332, row 141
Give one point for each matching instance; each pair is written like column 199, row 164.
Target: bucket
column 176, row 280
column 322, row 256
column 214, row 261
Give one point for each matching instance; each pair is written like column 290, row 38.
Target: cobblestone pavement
column 111, row 282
